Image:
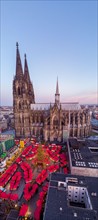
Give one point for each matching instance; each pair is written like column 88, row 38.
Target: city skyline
column 60, row 39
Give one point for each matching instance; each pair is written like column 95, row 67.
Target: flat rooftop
column 71, row 197
column 13, row 215
column 4, row 137
column 84, row 155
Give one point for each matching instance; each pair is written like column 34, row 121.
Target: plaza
column 26, row 180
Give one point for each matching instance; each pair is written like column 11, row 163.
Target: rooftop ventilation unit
column 71, row 180
column 61, row 185
column 79, row 197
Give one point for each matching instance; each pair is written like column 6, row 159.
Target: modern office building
column 83, row 157
column 71, row 197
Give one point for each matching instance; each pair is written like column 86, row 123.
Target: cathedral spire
column 26, row 70
column 27, row 79
column 57, row 95
column 57, row 87
column 19, row 71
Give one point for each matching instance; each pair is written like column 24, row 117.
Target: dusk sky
column 60, row 39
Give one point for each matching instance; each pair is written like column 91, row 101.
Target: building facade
column 48, row 121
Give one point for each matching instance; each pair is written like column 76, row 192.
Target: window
column 55, row 122
column 19, row 91
column 19, row 105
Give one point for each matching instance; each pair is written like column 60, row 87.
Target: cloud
column 87, row 98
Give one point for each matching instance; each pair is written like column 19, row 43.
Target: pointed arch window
column 33, row 119
column 55, row 121
column 41, row 118
column 81, row 119
column 23, row 89
column 76, row 119
column 37, row 119
column 48, row 122
column 63, row 122
column 19, row 105
column 41, row 131
column 23, row 120
column 19, row 91
column 14, row 102
column 19, row 119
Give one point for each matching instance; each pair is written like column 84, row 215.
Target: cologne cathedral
column 49, row 121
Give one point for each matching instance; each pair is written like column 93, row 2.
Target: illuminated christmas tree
column 41, row 157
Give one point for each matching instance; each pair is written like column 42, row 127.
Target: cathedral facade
column 48, row 121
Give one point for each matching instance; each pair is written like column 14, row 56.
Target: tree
column 40, row 154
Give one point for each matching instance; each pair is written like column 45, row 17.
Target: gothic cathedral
column 48, row 121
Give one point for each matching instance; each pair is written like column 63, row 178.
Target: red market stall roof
column 23, row 210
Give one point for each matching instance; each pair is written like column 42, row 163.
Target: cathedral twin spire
column 19, row 70
column 26, row 76
column 21, row 77
column 26, row 70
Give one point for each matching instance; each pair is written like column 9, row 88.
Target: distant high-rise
column 50, row 121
